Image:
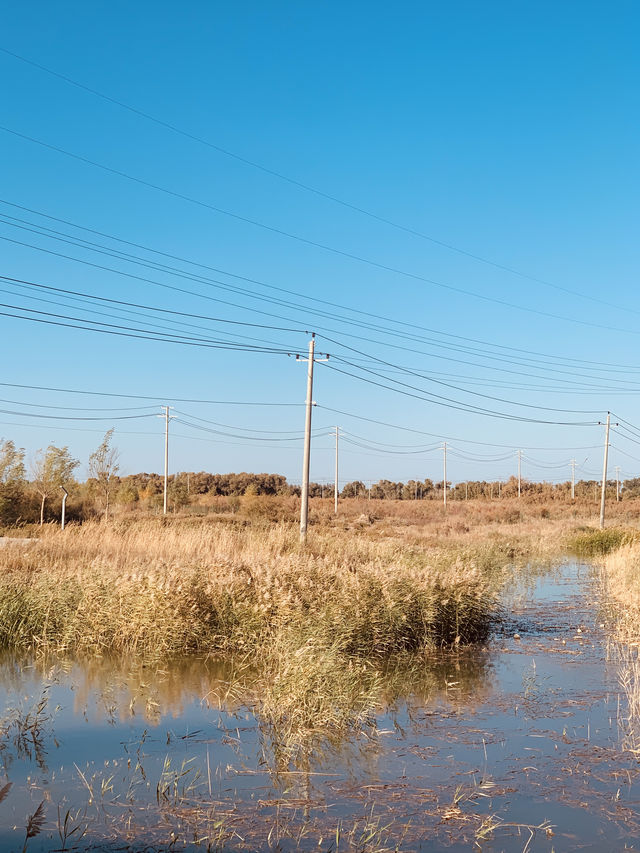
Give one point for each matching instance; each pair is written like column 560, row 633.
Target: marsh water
column 516, row 746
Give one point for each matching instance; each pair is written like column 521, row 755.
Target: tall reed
column 165, row 589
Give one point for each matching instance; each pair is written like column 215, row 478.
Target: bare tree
column 103, row 468
column 50, row 470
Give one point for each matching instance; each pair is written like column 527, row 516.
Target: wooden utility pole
column 335, row 493
column 444, row 458
column 573, row 479
column 604, row 470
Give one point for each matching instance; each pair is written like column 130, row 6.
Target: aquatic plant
column 163, row 589
column 589, row 542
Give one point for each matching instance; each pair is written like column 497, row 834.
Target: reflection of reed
column 628, row 662
column 316, row 694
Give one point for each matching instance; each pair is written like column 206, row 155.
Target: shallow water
column 509, row 748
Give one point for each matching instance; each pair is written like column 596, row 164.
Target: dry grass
column 383, row 577
column 164, row 589
column 620, row 574
column 621, row 580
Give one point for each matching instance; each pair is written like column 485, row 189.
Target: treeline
column 36, row 495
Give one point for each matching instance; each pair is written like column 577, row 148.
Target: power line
column 304, row 186
column 459, row 407
column 131, row 333
column 144, row 397
column 446, row 384
column 151, row 307
column 435, row 435
column 75, row 408
column 306, row 241
column 385, row 319
column 440, row 345
column 75, row 417
column 246, row 437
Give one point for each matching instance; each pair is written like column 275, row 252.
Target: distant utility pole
column 573, row 479
column 167, row 418
column 335, row 493
column 604, row 469
column 466, row 491
column 444, row 448
column 304, row 504
column 617, row 482
column 519, row 473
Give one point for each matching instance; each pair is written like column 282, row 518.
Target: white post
column 64, row 506
column 573, row 479
column 617, row 482
column 519, row 472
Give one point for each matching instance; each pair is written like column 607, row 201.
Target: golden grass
column 621, row 581
column 168, row 588
column 383, row 577
column 620, row 575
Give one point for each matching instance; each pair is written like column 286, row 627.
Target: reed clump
column 164, row 589
column 591, row 542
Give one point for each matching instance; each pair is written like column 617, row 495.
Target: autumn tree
column 103, row 470
column 12, row 480
column 51, row 470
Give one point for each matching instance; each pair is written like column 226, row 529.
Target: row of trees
column 52, row 473
column 36, row 494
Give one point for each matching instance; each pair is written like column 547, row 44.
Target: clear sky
column 498, row 141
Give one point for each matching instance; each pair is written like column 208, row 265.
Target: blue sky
column 507, row 131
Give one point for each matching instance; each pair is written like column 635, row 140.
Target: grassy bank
column 165, row 588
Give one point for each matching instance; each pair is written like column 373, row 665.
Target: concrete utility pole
column 573, row 479
column 304, row 503
column 335, row 494
column 167, row 418
column 617, row 482
column 444, row 492
column 604, row 470
column 519, row 473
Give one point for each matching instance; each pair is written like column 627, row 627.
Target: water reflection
column 443, row 749
column 91, row 736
